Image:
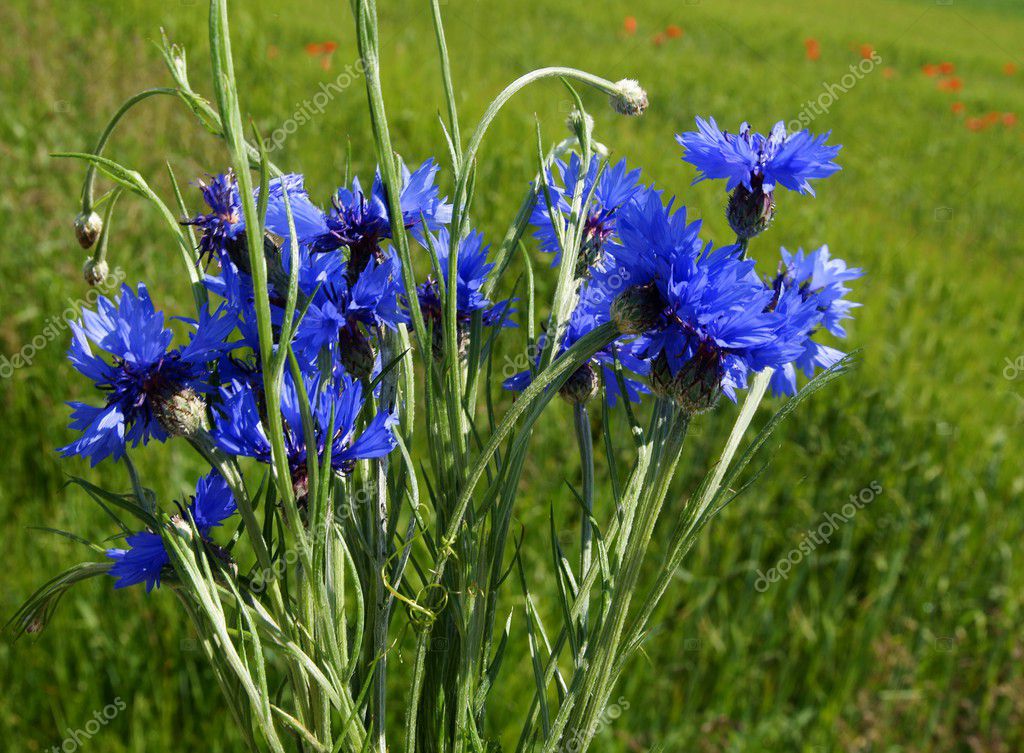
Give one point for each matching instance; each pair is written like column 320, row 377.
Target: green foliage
column 901, row 633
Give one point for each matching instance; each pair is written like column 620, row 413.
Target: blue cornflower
column 145, row 559
column 341, row 311
column 814, row 284
column 153, row 390
column 756, row 161
column 608, row 191
column 700, row 312
column 360, row 221
column 472, row 275
column 338, row 400
column 224, row 223
column 753, row 165
column 223, row 227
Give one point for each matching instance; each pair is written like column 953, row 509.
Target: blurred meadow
column 903, row 631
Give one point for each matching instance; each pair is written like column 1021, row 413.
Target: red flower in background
column 629, row 25
column 813, row 49
column 322, row 50
column 673, row 32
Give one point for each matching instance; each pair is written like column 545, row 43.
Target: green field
column 904, row 632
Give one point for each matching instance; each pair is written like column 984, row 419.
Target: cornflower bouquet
column 337, row 378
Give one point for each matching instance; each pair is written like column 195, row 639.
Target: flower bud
column 437, row 340
column 95, row 271
column 629, row 98
column 182, row 526
column 582, row 386
column 88, row 226
column 300, row 484
column 356, row 352
column 580, row 124
column 180, row 412
column 636, row 309
column 224, row 556
column 750, row 212
column 696, row 387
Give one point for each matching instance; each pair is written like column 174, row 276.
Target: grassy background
column 903, row 633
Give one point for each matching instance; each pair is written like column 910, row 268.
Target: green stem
column 90, row 173
column 586, row 445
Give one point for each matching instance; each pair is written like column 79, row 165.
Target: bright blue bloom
column 145, row 370
column 340, row 306
column 146, row 557
column 472, row 274
column 224, row 223
column 223, row 227
column 757, row 161
column 142, row 562
column 360, row 221
column 709, row 301
column 240, row 431
column 615, row 186
column 814, row 283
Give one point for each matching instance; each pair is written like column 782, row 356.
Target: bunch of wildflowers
column 335, row 384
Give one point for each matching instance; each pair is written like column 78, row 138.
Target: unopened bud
column 88, row 226
column 180, row 412
column 357, row 353
column 629, row 98
column 696, row 387
column 95, row 271
column 182, row 527
column 582, row 386
column 750, row 212
column 34, row 625
column 437, row 340
column 580, row 123
column 636, row 309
